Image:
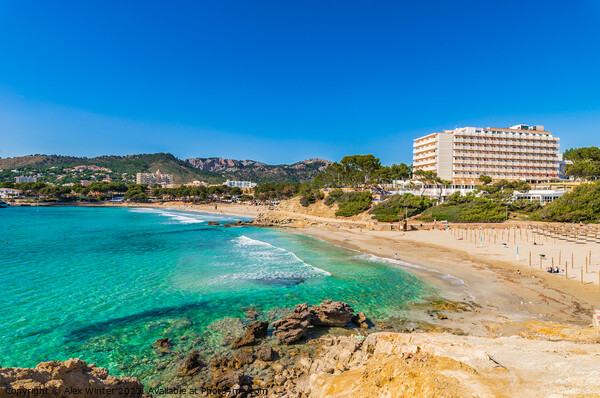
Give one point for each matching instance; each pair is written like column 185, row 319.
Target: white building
column 542, row 196
column 154, row 178
column 22, row 179
column 9, row 192
column 461, row 155
column 419, row 188
column 240, row 184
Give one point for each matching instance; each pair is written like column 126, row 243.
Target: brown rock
column 212, row 223
column 360, row 320
column 71, row 375
column 242, row 358
column 254, row 331
column 227, row 379
column 336, row 313
column 221, row 362
column 192, row 364
column 293, row 328
column 162, row 343
column 265, row 353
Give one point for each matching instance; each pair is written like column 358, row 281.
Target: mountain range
column 57, row 168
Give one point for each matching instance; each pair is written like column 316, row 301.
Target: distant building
column 154, row 178
column 240, row 184
column 196, row 183
column 86, row 183
column 9, row 192
column 22, row 179
column 461, row 155
column 91, row 167
column 542, row 196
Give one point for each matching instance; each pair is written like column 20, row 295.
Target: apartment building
column 22, row 179
column 521, row 152
column 154, row 178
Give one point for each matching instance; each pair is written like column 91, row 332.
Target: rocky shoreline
column 329, row 350
column 263, row 362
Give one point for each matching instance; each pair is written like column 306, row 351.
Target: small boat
column 3, row 204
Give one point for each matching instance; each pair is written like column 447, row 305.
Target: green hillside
column 56, row 168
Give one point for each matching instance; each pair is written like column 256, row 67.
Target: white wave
column 287, row 263
column 178, row 217
column 404, row 264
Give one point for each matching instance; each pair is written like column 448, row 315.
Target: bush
column 304, row 201
column 581, row 205
column 333, row 197
column 353, row 203
column 470, row 209
column 397, row 205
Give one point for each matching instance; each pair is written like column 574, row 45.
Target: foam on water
column 279, row 257
column 405, row 264
column 181, row 217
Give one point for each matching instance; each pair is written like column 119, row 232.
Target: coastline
column 491, row 280
column 489, row 277
column 487, row 313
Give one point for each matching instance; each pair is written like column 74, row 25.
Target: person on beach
column 396, row 256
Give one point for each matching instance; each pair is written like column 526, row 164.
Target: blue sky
column 281, row 81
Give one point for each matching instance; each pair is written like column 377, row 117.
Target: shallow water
column 102, row 284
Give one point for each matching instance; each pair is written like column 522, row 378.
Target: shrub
column 333, row 197
column 353, row 203
column 581, row 205
column 397, row 205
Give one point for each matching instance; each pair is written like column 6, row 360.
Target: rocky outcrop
column 162, row 343
column 265, row 353
column 254, row 331
column 212, row 223
column 360, row 320
column 192, row 364
column 251, row 170
column 294, row 327
column 67, row 379
column 331, row 313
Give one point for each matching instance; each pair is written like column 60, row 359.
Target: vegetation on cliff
column 400, row 206
column 580, row 205
column 349, row 203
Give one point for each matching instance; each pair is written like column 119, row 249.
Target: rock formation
column 265, row 353
column 67, row 379
column 192, row 364
column 293, row 328
column 254, row 331
column 360, row 320
column 336, row 313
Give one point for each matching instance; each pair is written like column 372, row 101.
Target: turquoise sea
column 102, row 284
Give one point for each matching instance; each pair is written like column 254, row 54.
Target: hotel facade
column 461, row 155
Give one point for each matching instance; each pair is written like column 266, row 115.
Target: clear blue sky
column 281, row 81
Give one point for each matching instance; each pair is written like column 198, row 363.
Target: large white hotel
column 461, row 155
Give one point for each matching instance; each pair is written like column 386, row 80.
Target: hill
column 60, row 169
column 250, row 170
column 56, row 168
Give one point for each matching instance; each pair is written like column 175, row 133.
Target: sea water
column 102, row 284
